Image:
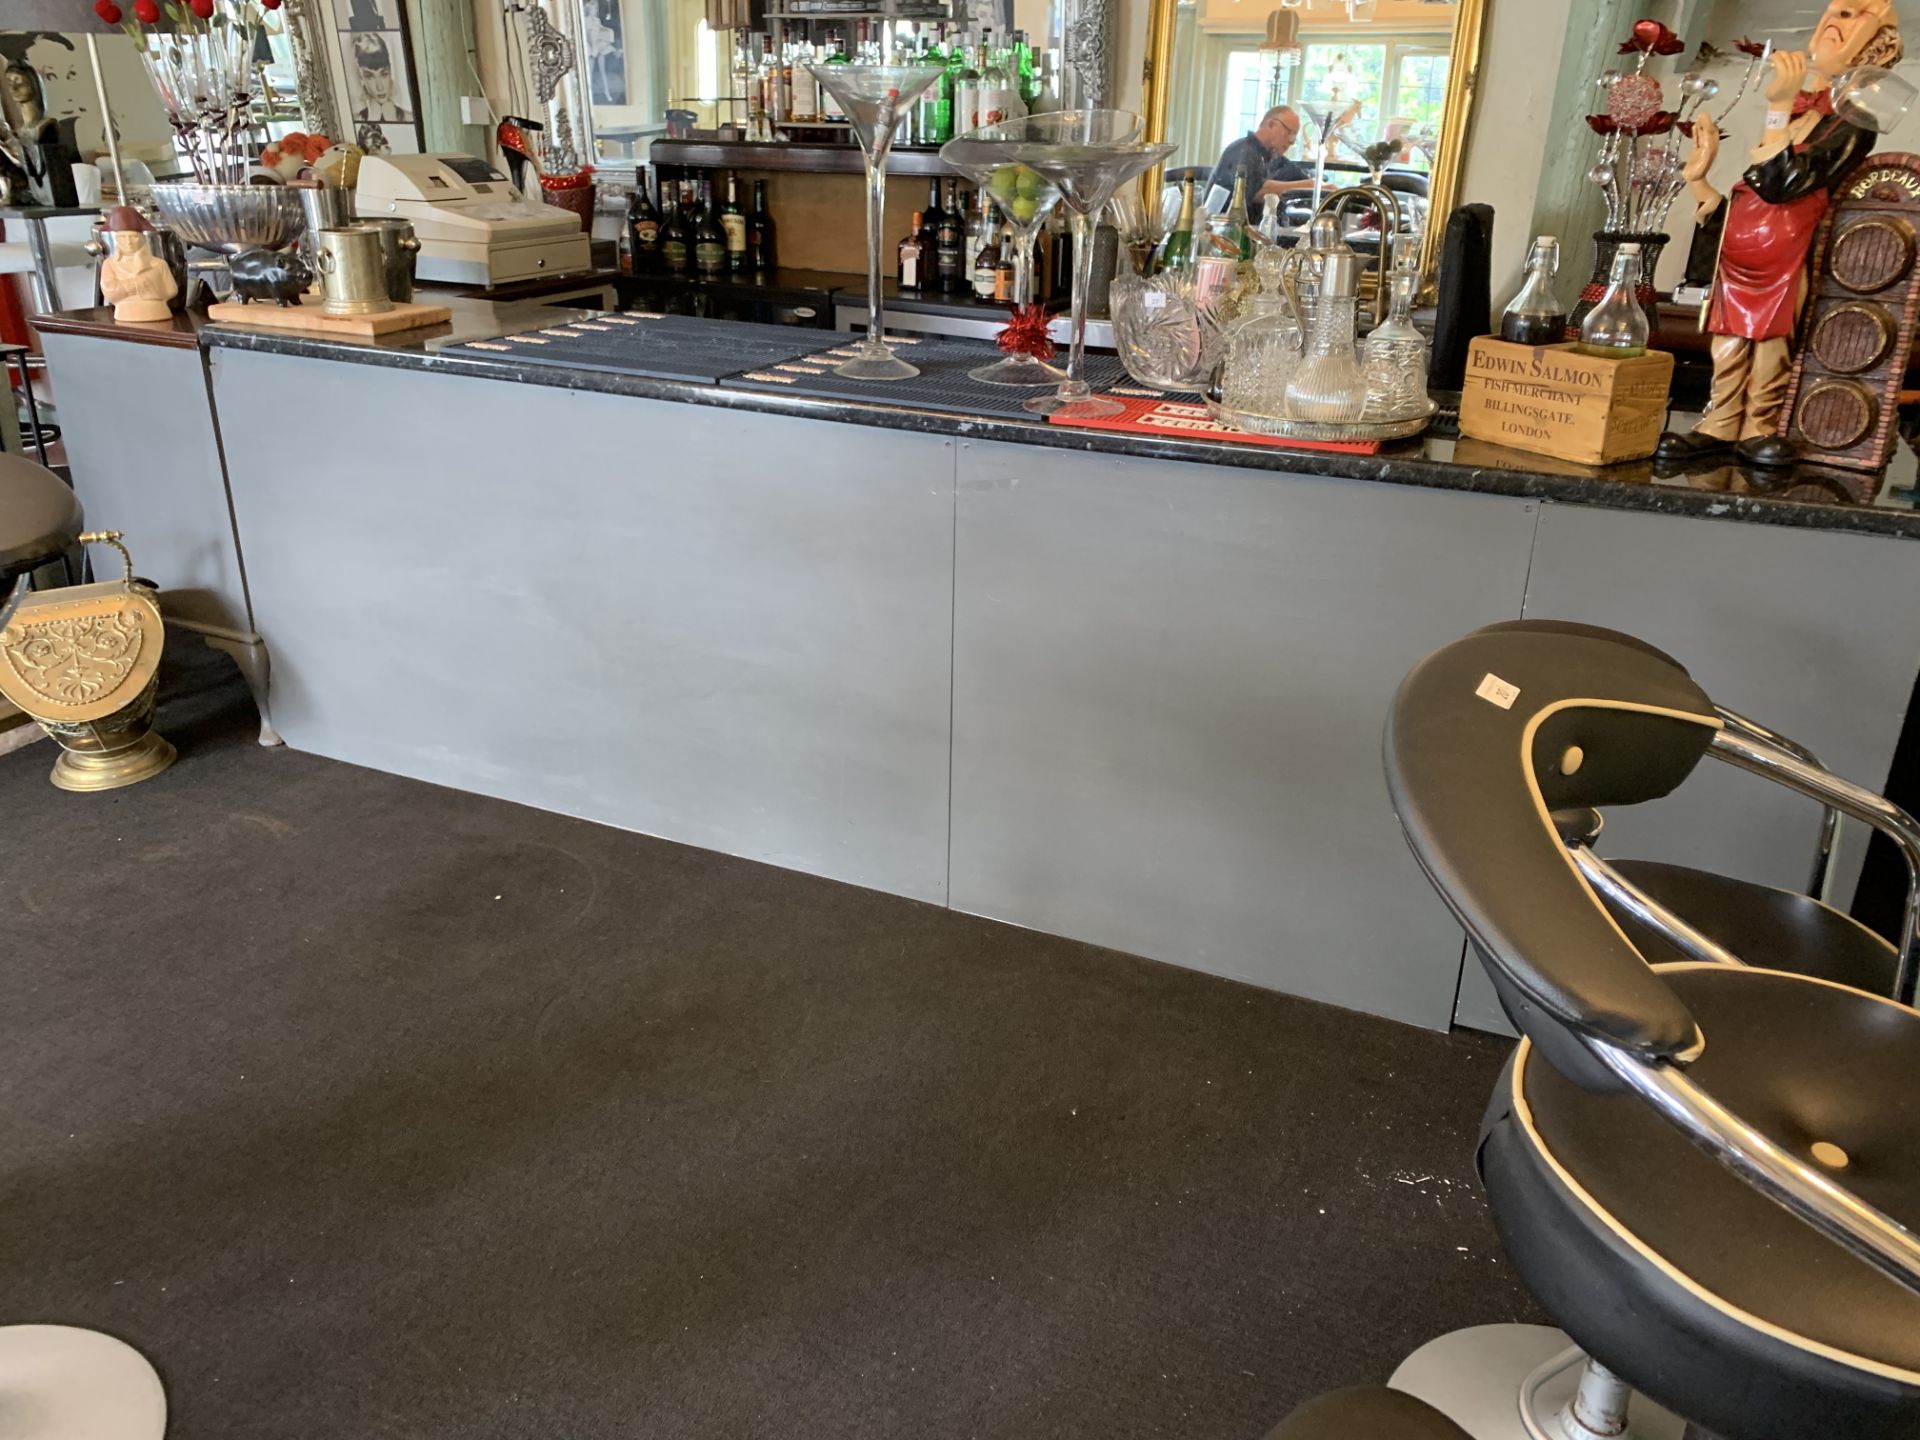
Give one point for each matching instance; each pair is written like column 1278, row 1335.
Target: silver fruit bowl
column 231, row 218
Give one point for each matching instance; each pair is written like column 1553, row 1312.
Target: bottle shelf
column 813, row 159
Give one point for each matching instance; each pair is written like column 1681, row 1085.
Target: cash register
column 474, row 227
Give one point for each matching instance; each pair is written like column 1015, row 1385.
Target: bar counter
column 1119, row 687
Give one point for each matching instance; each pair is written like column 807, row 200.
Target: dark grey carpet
column 368, row 1109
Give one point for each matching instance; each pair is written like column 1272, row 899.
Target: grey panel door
column 139, row 432
column 1813, row 634
column 725, row 628
column 1169, row 687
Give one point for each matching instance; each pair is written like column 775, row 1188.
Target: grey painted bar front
column 728, row 629
column 1130, row 699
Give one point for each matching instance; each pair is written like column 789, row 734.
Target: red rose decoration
column 108, row 12
column 201, row 8
column 146, row 12
column 1662, row 122
column 1751, row 47
column 1601, row 125
column 1650, row 37
column 269, row 4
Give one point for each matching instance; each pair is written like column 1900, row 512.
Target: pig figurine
column 281, row 276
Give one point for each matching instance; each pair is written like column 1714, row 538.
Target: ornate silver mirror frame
column 313, row 79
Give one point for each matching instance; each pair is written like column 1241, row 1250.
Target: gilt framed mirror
column 1336, row 91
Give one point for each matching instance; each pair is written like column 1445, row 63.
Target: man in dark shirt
column 1261, row 158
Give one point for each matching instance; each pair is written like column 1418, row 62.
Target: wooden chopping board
column 265, row 315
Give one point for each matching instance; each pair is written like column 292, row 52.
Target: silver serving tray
column 1313, row 430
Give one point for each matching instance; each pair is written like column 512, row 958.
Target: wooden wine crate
column 1553, row 400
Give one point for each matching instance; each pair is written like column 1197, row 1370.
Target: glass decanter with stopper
column 1617, row 327
column 1264, row 344
column 1330, row 388
column 1536, row 316
column 1395, row 358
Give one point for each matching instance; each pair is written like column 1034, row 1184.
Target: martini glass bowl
column 1087, row 154
column 875, row 98
column 1024, row 197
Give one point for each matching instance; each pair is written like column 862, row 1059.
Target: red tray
column 1157, row 415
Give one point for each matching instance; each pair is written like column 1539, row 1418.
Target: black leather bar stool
column 1707, row 1173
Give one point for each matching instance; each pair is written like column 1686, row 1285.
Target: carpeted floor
column 368, row 1109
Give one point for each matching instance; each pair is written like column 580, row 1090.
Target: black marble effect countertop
column 1810, row 497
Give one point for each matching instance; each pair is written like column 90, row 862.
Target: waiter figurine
column 1768, row 226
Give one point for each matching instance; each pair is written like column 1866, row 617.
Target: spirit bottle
column 912, row 270
column 950, row 257
column 986, row 264
column 760, row 243
column 734, row 224
column 709, row 239
column 643, row 226
column 806, row 89
column 676, row 242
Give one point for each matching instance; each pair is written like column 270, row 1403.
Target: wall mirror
column 1377, row 88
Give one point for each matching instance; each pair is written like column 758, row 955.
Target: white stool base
column 1475, row 1378
column 62, row 1383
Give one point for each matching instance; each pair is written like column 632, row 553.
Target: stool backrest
column 1486, row 739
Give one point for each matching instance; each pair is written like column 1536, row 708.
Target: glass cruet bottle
column 1536, row 316
column 1395, row 358
column 1617, row 327
column 1330, row 388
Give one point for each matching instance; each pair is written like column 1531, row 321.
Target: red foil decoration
column 1650, row 37
column 1026, row 333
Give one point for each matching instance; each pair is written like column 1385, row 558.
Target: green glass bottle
column 1236, row 236
column 1177, row 253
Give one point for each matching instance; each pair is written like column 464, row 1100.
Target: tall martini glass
column 1088, row 154
column 874, row 98
column 1024, row 197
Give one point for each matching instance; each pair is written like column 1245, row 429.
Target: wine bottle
column 931, row 217
column 950, row 257
column 1235, row 236
column 1177, row 253
column 709, row 239
column 733, row 223
column 760, row 247
column 911, row 271
column 643, row 226
column 1003, row 272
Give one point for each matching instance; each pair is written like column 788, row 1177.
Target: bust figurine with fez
column 1767, row 229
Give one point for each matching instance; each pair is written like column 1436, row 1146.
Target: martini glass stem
column 876, row 220
column 1075, row 385
column 1023, row 266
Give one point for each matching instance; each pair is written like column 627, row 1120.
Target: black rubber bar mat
column 942, row 384
column 659, row 347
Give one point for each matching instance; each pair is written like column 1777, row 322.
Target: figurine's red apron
column 1763, row 259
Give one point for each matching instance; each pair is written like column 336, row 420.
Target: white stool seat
column 62, row 1383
